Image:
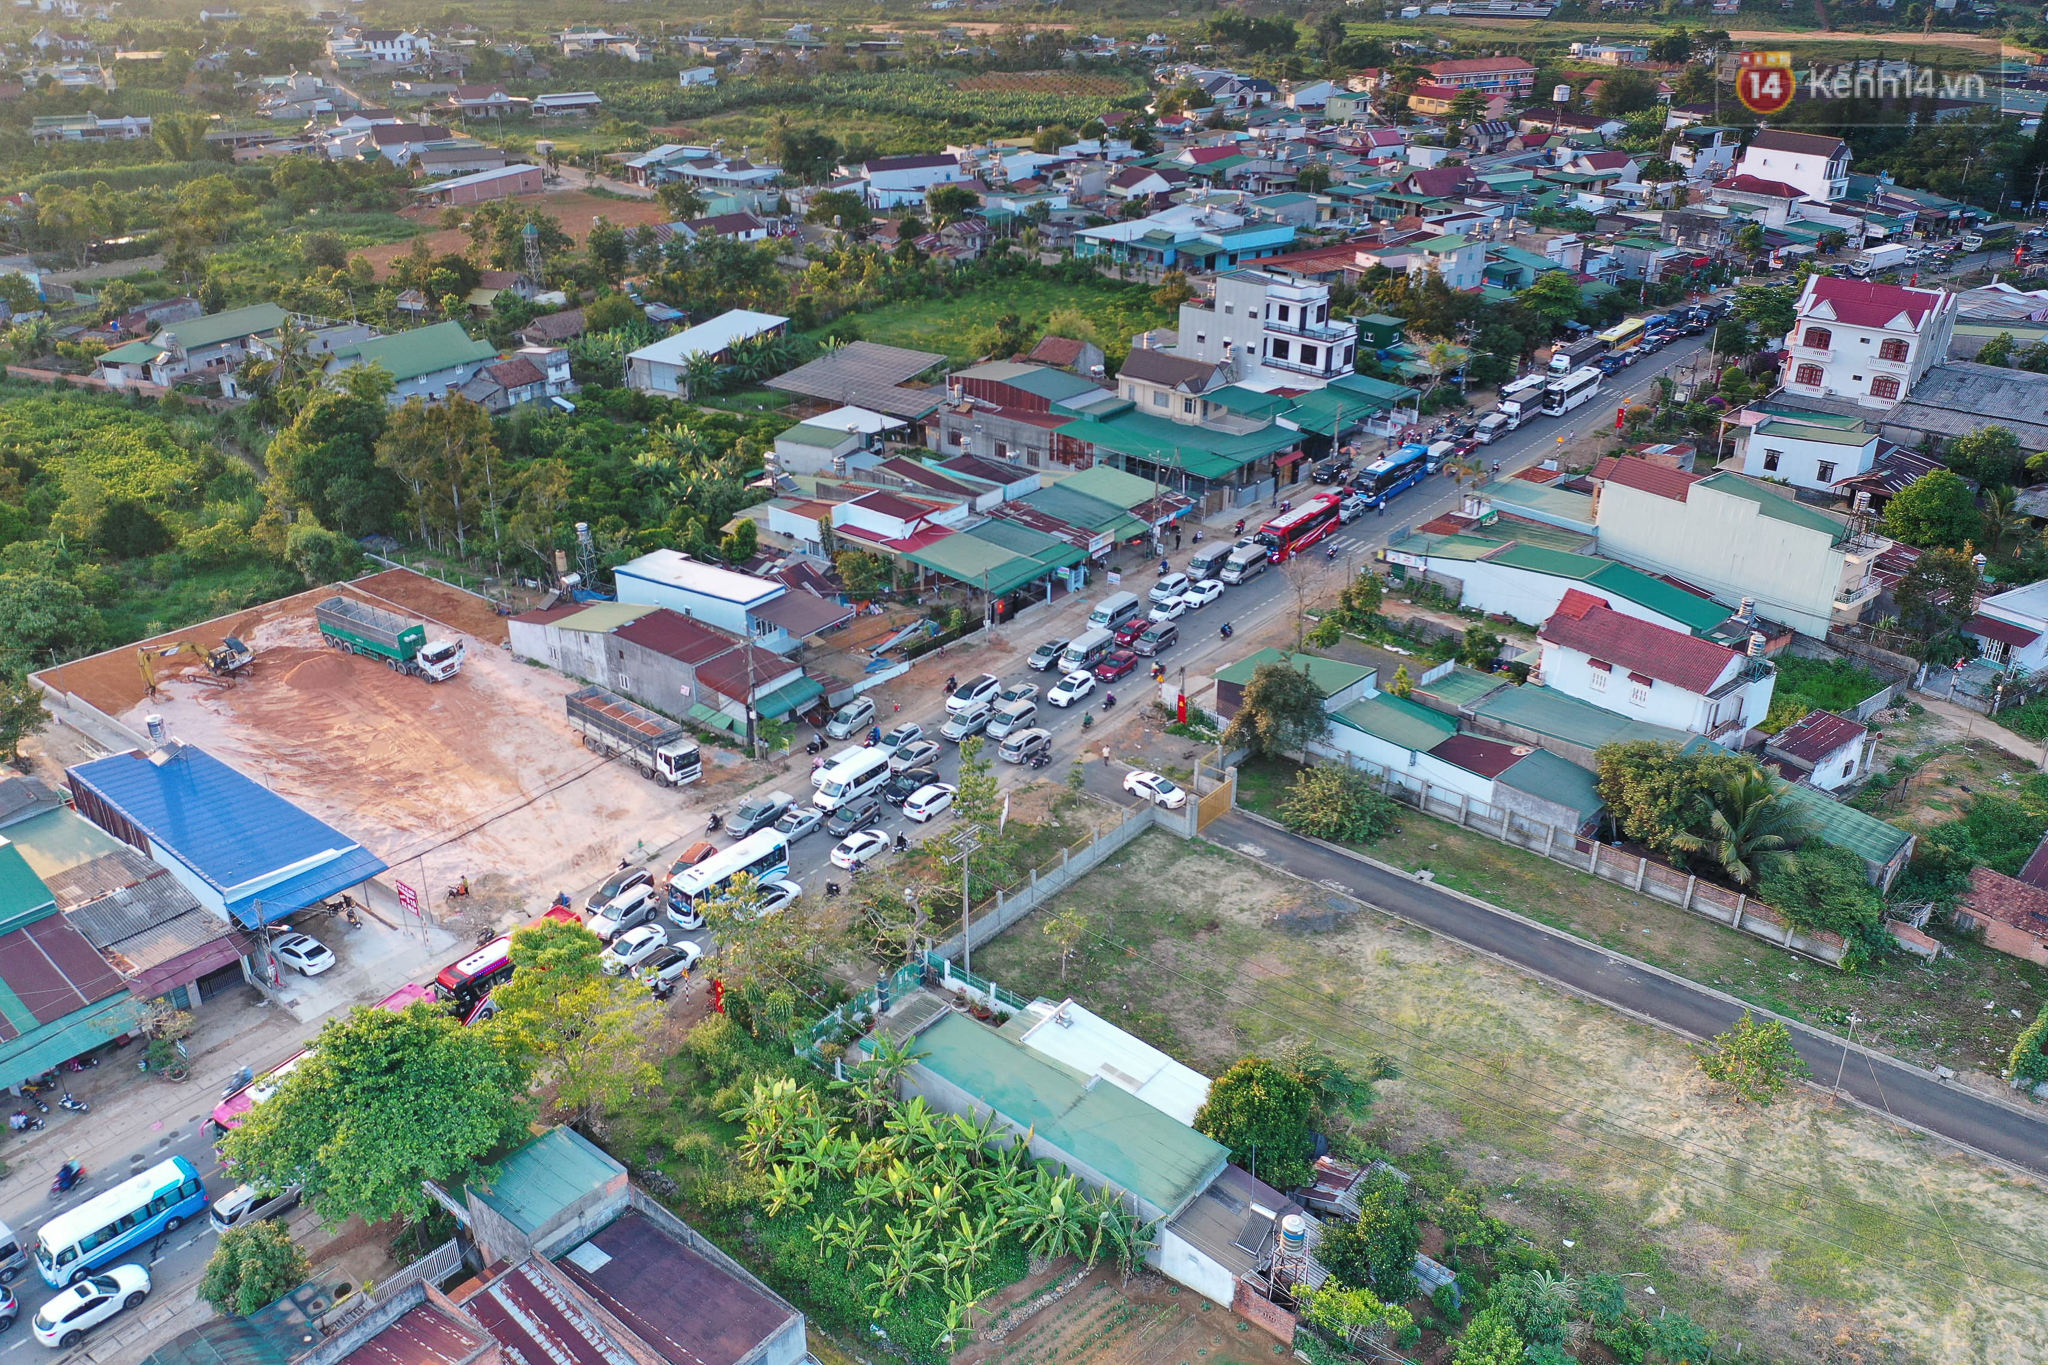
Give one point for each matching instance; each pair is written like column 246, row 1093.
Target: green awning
column 710, row 719
column 788, row 697
column 60, row 1040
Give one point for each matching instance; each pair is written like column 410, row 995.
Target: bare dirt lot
column 478, row 776
column 577, row 210
column 1808, row 1232
column 1145, row 1321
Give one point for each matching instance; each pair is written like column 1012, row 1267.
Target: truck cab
column 440, row 660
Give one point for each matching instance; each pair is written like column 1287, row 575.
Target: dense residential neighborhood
column 981, row 686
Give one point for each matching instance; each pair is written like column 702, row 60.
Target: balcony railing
column 1323, row 369
column 1862, row 593
column 1321, row 331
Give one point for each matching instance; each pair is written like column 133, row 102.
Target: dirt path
column 1983, row 727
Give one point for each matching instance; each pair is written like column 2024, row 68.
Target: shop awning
column 789, row 697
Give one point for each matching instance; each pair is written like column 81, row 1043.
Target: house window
column 1284, row 313
column 1201, row 338
column 1158, row 400
column 1884, row 386
column 1187, row 405
column 1229, row 309
column 1771, row 458
column 1808, row 374
column 1849, row 769
column 1308, row 354
column 1818, row 338
column 1598, row 678
column 1638, row 690
column 1892, row 350
column 1825, row 471
column 1278, row 349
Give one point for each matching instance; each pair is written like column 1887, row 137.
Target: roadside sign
column 408, row 897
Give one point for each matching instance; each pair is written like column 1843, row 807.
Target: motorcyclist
column 1108, row 700
column 1227, row 631
column 67, row 1174
column 952, row 683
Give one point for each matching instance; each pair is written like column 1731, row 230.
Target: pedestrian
column 1176, row 538
column 1105, row 755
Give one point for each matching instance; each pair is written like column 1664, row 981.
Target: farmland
column 1803, row 1231
column 948, row 100
column 961, row 328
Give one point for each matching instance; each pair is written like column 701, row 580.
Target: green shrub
column 2029, row 1061
column 1336, row 803
column 1825, row 684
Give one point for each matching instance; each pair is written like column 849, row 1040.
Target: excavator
column 224, row 662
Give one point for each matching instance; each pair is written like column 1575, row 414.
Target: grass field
column 958, row 327
column 1804, row 1233
column 1924, row 1013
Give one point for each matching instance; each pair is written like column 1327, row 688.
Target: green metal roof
column 1398, row 721
column 538, row 1181
column 1048, row 552
column 1204, row 453
column 967, row 559
column 1808, row 419
column 272, row 1336
column 57, row 841
column 1543, row 503
column 1552, row 713
column 1557, row 563
column 1697, row 614
column 1449, row 241
column 1558, row 779
column 1394, row 394
column 1247, row 402
column 1868, row 837
column 41, row 1047
column 23, row 897
column 1800, row 431
column 235, row 323
column 1330, row 676
column 1103, row 1127
column 1111, row 485
column 1079, row 508
column 1774, row 506
column 811, row 434
column 1464, row 548
column 788, row 697
column 1462, row 686
column 408, row 355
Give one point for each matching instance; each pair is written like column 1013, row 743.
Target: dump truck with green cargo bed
column 659, row 747
column 402, row 644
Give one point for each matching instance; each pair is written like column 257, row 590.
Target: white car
column 636, row 906
column 915, row 754
column 777, row 895
column 1354, row 507
column 1171, row 586
column 67, row 1315
column 859, row 848
column 632, row 948
column 1172, row 609
column 1071, row 688
column 306, row 954
column 1160, row 791
column 928, row 801
column 980, row 688
column 1202, row 593
column 902, row 735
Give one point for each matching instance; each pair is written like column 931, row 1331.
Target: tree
column 1313, row 178
column 1352, row 1313
column 1066, row 929
column 864, row 574
column 581, row 1033
column 253, row 1267
column 1261, row 1111
column 1403, row 684
column 1047, row 140
column 321, row 556
column 1282, row 711
column 1769, row 310
column 1334, row 802
column 742, row 543
column 1748, row 826
column 1991, row 455
column 843, row 209
column 441, row 453
column 128, row 529
column 384, row 1101
column 608, row 312
column 950, row 203
column 21, row 712
column 1490, row 1340
column 1625, row 92
column 1755, row 1059
column 1378, row 1248
column 323, row 251
column 1554, row 295
column 1825, row 887
column 1997, row 351
column 608, row 249
column 1934, row 510
column 19, row 292
column 1481, row 648
column 1749, row 240
column 44, row 617
column 681, row 200
column 1657, row 794
column 979, row 800
column 1538, row 1303
column 1936, row 595
column 325, row 461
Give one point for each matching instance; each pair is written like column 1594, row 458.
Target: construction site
column 477, row 776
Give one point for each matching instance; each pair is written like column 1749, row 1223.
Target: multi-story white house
column 1456, row 257
column 1648, row 673
column 1509, row 76
column 1276, row 328
column 1869, row 343
column 1812, row 162
column 892, row 181
column 1805, row 449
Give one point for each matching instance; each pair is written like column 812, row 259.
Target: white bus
column 1523, row 399
column 763, row 856
column 855, row 775
column 130, row 1215
column 1575, row 389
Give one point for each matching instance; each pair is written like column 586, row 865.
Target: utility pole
column 966, row 839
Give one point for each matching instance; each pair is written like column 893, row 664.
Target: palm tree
column 2002, row 522
column 1749, row 826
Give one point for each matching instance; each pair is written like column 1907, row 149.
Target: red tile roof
column 1665, row 655
column 1577, row 603
column 1060, row 351
column 1202, row 156
column 1863, row 304
column 1817, row 734
column 2005, row 632
column 1753, row 184
column 1993, row 895
column 1639, row 474
column 889, row 505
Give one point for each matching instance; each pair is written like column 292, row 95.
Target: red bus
column 1293, row 531
column 230, row 1112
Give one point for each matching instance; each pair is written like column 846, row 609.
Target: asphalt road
column 175, row 1262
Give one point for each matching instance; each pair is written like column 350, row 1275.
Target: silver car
column 971, row 721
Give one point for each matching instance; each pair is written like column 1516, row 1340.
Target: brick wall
column 1254, row 1308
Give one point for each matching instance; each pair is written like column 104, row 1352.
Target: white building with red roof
column 1865, row 342
column 1649, row 673
column 1822, row 749
column 1818, row 165
column 1509, row 76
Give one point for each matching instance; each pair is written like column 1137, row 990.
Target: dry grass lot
column 1806, row 1232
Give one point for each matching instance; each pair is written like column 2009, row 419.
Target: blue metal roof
column 262, row 854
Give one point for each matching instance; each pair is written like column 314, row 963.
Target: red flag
column 717, row 995
column 1619, row 413
column 1181, row 709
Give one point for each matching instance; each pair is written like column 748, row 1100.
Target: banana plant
column 979, row 1136
column 915, row 1126
column 976, row 1238
column 854, row 1236
column 789, row 1188
column 1053, row 1214
column 870, row 1191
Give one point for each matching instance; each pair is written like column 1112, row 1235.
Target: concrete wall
column 1666, row 704
column 2005, row 938
column 1530, row 597
column 1181, row 1260
column 577, row 653
column 1407, row 765
column 1724, row 544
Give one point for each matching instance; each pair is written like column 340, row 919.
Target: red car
column 1129, row 631
column 1117, row 665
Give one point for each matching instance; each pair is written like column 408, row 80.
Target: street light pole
column 966, row 840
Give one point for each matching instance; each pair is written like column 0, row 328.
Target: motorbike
column 1108, row 701
column 1039, row 760
column 485, row 935
column 69, row 1176
column 662, row 990
column 902, row 843
column 715, row 823
column 1087, row 719
column 831, row 890
column 35, row 1100
column 1226, row 632
column 21, row 1121
column 460, row 890
column 72, row 1103
column 814, row 745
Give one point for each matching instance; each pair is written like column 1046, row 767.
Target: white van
column 1089, row 650
column 1011, row 717
column 825, row 769
column 852, row 777
column 1114, row 610
column 1244, row 564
